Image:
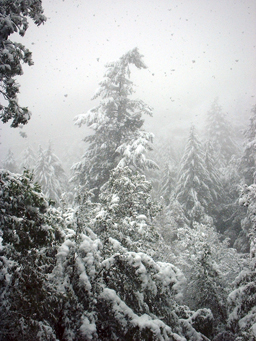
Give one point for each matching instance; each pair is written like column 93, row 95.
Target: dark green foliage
column 23, row 222
column 205, row 289
column 229, row 213
column 13, row 18
column 241, row 306
column 27, row 255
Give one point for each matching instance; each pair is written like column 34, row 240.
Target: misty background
column 195, row 51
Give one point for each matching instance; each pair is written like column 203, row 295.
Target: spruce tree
column 50, row 174
column 248, row 160
column 28, row 303
column 242, row 300
column 219, row 132
column 28, row 159
column 206, row 277
column 128, row 211
column 14, row 18
column 110, row 288
column 168, row 182
column 117, row 124
column 230, row 212
column 192, row 189
column 9, row 162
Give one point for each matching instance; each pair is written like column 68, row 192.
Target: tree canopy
column 14, row 18
column 117, row 124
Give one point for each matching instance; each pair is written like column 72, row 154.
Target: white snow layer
column 125, row 315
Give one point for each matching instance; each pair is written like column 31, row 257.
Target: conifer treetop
column 117, row 122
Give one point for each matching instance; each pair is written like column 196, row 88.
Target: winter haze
column 195, row 51
column 101, row 237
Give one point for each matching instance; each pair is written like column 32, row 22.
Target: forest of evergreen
column 140, row 242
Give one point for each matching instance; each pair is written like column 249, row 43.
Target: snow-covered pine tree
column 248, row 199
column 205, row 278
column 56, row 163
column 9, row 162
column 168, row 182
column 14, row 18
column 192, row 189
column 127, row 211
column 242, row 300
column 210, row 267
column 28, row 159
column 214, row 172
column 117, row 124
column 28, row 303
column 216, row 184
column 219, row 132
column 241, row 307
column 109, row 292
column 230, row 214
column 50, row 174
column 248, row 160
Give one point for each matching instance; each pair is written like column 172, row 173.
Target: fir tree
column 28, row 303
column 109, row 292
column 210, row 267
column 214, row 182
column 117, row 123
column 248, row 160
column 207, row 278
column 219, row 132
column 10, row 163
column 242, row 300
column 163, row 179
column 14, row 18
column 248, row 199
column 192, row 189
column 50, row 174
column 241, row 306
column 127, row 210
column 168, row 182
column 28, row 159
column 230, row 214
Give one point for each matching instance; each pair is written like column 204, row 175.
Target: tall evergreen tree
column 28, row 159
column 219, row 132
column 207, row 278
column 230, row 213
column 214, row 172
column 248, row 199
column 9, row 162
column 50, row 174
column 128, row 210
column 14, row 18
column 242, row 300
column 168, row 182
column 248, row 160
column 117, row 123
column 111, row 290
column 166, row 155
column 28, row 303
column 192, row 189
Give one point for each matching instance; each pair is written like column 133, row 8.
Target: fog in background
column 195, row 50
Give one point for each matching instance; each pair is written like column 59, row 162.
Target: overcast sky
column 195, row 50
